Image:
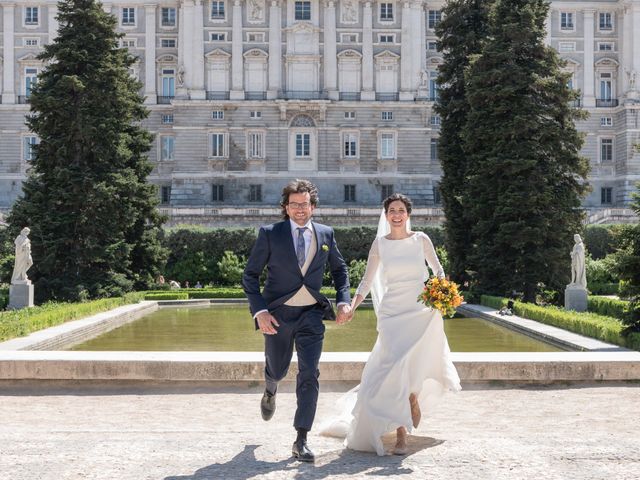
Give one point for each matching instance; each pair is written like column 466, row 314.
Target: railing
column 349, row 96
column 611, row 102
column 387, row 97
column 255, row 95
column 217, row 95
column 303, row 95
column 164, row 99
column 576, row 103
column 23, row 99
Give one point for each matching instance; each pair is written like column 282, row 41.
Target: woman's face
column 397, row 214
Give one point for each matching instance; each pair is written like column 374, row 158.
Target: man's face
column 299, row 208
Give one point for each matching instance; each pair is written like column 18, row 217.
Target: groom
column 290, row 309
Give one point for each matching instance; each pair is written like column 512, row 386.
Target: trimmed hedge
column 605, row 328
column 167, row 296
column 603, row 288
column 222, row 292
column 609, row 307
column 19, row 323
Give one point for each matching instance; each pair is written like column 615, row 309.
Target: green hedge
column 18, row 323
column 609, row 307
column 167, row 296
column 221, row 292
column 604, row 288
column 605, row 328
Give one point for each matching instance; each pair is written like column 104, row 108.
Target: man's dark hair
column 397, row 196
column 298, row 186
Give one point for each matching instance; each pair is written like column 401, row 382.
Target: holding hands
column 345, row 314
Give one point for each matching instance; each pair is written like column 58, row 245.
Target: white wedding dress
column 411, row 353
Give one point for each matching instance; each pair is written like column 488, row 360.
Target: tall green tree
column 525, row 176
column 628, row 260
column 461, row 33
column 93, row 218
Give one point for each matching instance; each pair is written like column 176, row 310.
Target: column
column 52, row 10
column 186, row 62
column 368, row 92
column 197, row 91
column 635, row 20
column 237, row 87
column 589, row 80
column 406, row 62
column 8, row 81
column 275, row 49
column 626, row 47
column 330, row 52
column 417, row 41
column 423, row 39
column 150, row 54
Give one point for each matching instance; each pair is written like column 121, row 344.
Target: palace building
column 247, row 94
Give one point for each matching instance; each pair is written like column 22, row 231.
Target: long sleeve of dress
column 373, row 263
column 431, row 256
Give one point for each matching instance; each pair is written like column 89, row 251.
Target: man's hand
column 344, row 314
column 267, row 323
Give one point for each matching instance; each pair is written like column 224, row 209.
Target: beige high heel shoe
column 416, row 414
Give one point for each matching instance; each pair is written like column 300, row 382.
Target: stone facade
column 247, row 94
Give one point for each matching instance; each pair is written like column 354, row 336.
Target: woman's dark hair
column 298, row 186
column 395, row 197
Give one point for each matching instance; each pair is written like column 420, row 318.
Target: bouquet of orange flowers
column 441, row 294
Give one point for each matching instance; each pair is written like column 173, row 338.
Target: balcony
column 577, row 103
column 255, row 95
column 23, row 99
column 217, row 95
column 610, row 102
column 164, row 99
column 349, row 96
column 303, row 95
column 388, row 97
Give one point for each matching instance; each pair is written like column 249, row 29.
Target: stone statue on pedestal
column 21, row 289
column 575, row 295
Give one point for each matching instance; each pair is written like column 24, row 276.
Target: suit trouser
column 302, row 327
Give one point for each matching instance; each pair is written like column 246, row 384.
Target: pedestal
column 575, row 298
column 20, row 296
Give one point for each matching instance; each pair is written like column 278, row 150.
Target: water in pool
column 230, row 328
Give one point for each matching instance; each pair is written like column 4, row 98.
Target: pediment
column 29, row 57
column 218, row 52
column 167, row 59
column 607, row 62
column 302, row 27
column 435, row 61
column 387, row 55
column 255, row 53
column 350, row 54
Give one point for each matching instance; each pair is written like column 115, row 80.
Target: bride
column 409, row 367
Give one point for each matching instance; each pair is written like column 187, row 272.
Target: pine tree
column 628, row 262
column 526, row 177
column 461, row 33
column 94, row 223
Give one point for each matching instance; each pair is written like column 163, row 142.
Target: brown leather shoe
column 268, row 405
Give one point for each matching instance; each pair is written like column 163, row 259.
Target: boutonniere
column 325, row 248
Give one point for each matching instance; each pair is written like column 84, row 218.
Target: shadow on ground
column 338, row 462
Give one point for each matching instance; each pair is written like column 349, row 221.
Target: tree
column 525, row 175
column 94, row 223
column 461, row 33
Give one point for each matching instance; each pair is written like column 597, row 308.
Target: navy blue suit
column 299, row 326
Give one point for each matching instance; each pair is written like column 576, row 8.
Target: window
column 217, row 10
column 128, row 43
column 567, row 46
column 28, row 153
column 165, row 194
column 606, row 92
column 168, row 82
column 167, row 119
column 435, row 120
column 605, row 46
column 434, row 150
column 167, row 148
column 168, row 43
column 217, row 145
column 350, row 115
column 255, row 114
column 168, row 17
column 385, row 191
column 255, row 145
column 386, row 38
column 387, row 145
column 606, row 121
column 30, row 80
column 605, row 195
column 217, row 37
column 350, row 145
column 128, row 16
column 386, row 12
column 349, row 38
column 349, row 193
column 31, row 42
column 566, row 21
column 606, row 150
column 386, row 115
column 303, row 144
column 217, row 115
column 255, row 193
column 434, row 91
column 434, row 18
column 31, row 15
column 606, row 21
column 303, row 11
column 217, row 193
column 431, row 45
column 437, row 199
column 255, row 37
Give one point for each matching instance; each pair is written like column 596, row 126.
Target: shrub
column 356, row 271
column 599, row 240
column 167, row 296
column 231, row 267
column 601, row 271
column 608, row 307
column 603, row 288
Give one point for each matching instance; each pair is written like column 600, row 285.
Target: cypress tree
column 94, row 223
column 525, row 175
column 461, row 33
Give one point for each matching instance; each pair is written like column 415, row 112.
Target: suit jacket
column 274, row 249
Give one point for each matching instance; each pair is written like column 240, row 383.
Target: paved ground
column 586, row 432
